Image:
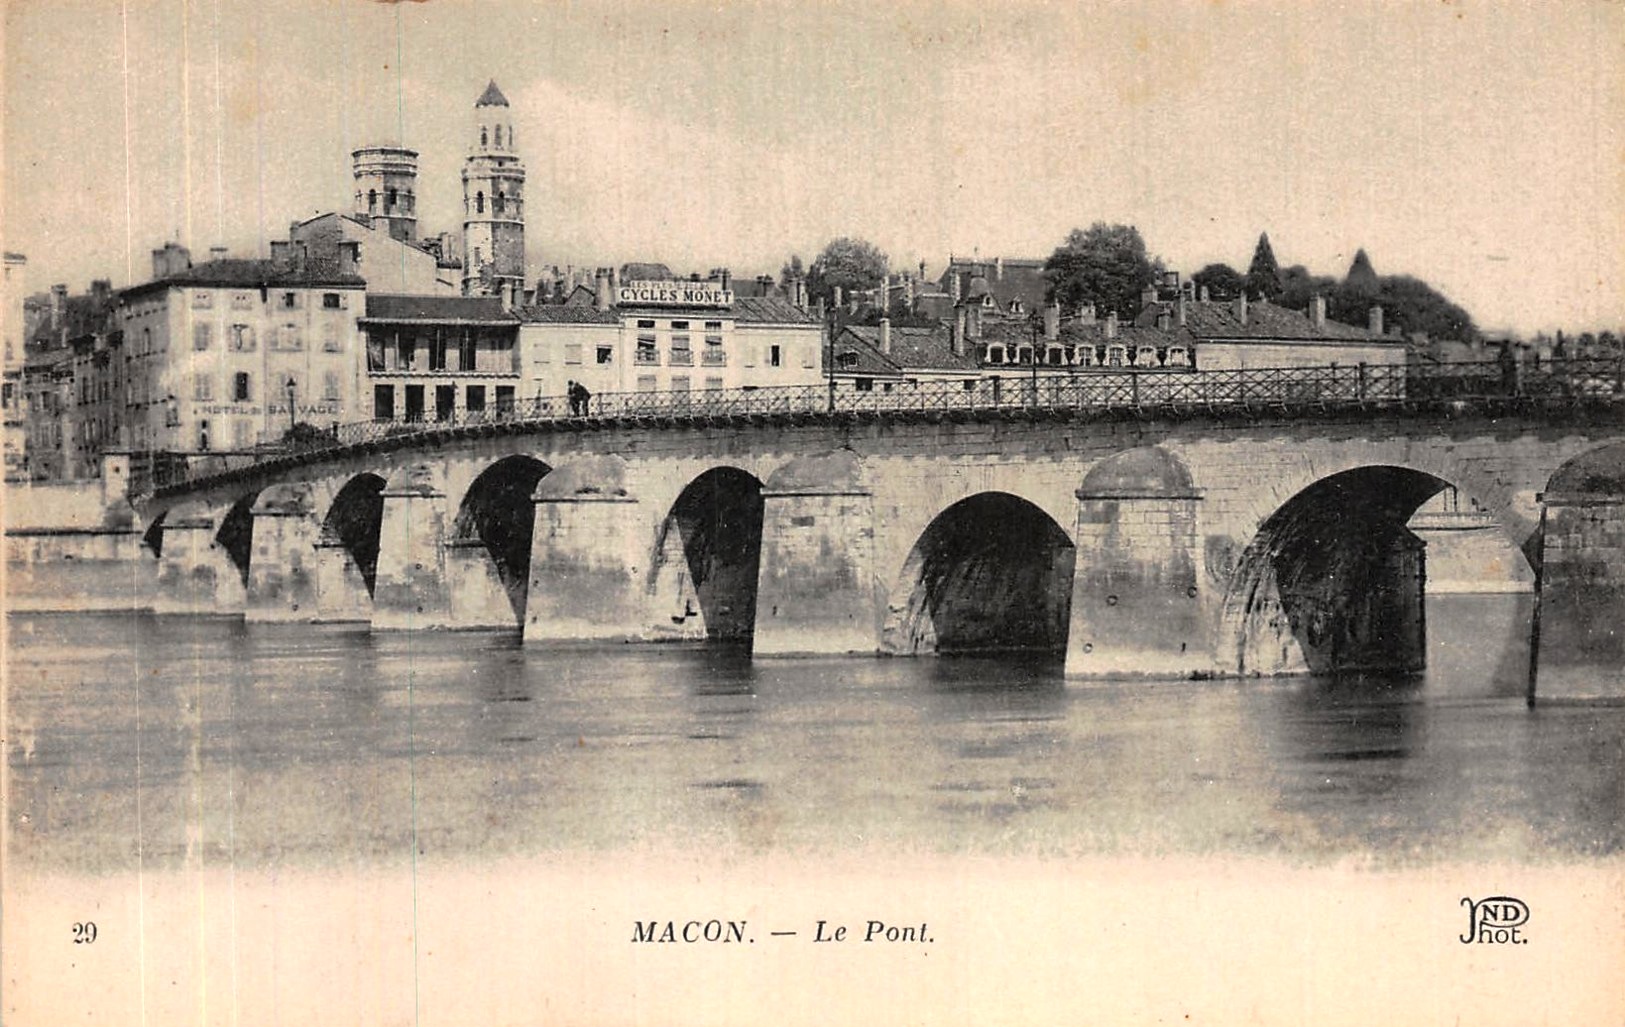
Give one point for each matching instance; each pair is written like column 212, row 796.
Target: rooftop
column 485, row 310
column 232, row 272
column 492, row 97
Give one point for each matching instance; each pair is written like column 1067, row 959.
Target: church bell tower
column 493, row 201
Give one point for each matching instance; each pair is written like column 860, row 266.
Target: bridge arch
column 991, row 572
column 236, row 533
column 497, row 513
column 707, row 556
column 1334, row 580
column 1599, row 471
column 352, row 524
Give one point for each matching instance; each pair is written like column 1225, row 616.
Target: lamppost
column 1032, row 358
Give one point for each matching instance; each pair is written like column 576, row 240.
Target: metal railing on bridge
column 1275, row 391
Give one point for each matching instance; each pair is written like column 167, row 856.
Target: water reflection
column 267, row 744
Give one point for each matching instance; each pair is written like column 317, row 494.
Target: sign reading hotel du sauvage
column 675, row 294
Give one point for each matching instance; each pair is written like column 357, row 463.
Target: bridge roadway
column 1215, row 523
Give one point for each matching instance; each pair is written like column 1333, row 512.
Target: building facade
column 232, row 354
column 440, row 358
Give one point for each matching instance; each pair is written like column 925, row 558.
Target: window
column 646, row 383
column 242, row 338
column 864, row 384
column 242, row 433
column 775, row 356
column 437, row 353
column 291, row 337
column 605, row 354
column 146, row 341
column 406, row 352
column 390, row 196
column 499, row 135
column 372, row 200
column 679, row 326
column 713, row 326
column 289, row 301
column 330, row 339
column 475, row 401
column 445, row 402
column 713, row 383
column 499, row 201
column 202, row 387
column 203, row 436
column 646, row 353
column 572, row 353
column 200, row 336
column 646, row 324
column 332, row 301
column 485, row 140
column 242, row 301
column 202, row 300
column 383, row 402
column 681, row 356
column 330, row 386
column 375, row 351
column 479, row 208
column 240, row 391
column 467, row 353
column 504, row 399
column 414, row 402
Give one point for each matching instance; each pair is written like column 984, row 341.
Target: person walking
column 572, row 394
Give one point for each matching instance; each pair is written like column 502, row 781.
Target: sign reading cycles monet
column 675, row 294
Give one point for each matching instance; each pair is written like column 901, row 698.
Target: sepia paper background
column 1497, row 173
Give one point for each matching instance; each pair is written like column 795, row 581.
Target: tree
column 792, row 268
column 1298, row 285
column 1106, row 265
column 1221, row 281
column 850, row 264
column 1362, row 276
column 1263, row 274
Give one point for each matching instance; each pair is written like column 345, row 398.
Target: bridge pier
column 282, row 571
column 817, row 591
column 586, row 568
column 341, row 591
column 410, row 590
column 195, row 574
column 1580, row 596
column 1136, row 607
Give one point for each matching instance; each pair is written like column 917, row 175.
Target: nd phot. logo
column 1495, row 921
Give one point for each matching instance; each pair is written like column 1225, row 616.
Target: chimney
column 1148, row 296
column 614, row 283
column 1165, row 319
column 1204, row 296
column 59, row 305
column 1170, row 280
column 1086, row 313
column 885, row 335
column 218, row 253
column 957, row 341
column 727, row 279
column 818, row 310
column 1052, row 321
column 1111, row 325
column 601, row 290
column 1375, row 316
column 505, row 290
column 953, row 283
column 998, row 269
column 838, row 300
column 801, row 292
column 1179, row 309
column 101, row 291
column 1317, row 312
column 1241, row 307
column 974, row 322
column 908, row 291
column 279, row 251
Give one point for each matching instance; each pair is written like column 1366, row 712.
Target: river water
column 204, row 742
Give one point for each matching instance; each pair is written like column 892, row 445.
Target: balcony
column 713, row 356
column 646, row 358
column 682, row 358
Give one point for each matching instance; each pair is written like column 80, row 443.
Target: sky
column 1477, row 145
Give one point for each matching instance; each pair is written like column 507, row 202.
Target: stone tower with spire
column 493, row 201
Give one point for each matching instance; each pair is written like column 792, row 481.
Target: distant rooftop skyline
column 1474, row 145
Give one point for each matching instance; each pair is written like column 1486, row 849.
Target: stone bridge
column 1194, row 544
